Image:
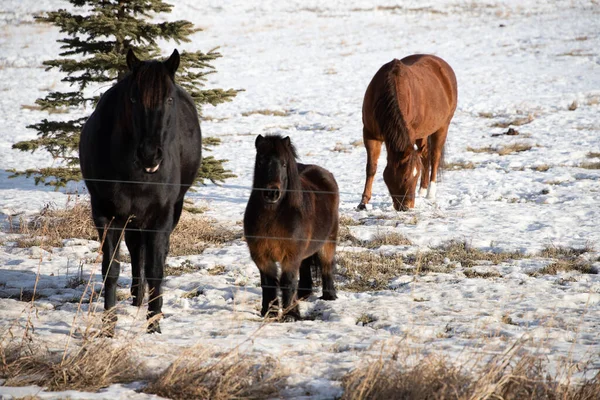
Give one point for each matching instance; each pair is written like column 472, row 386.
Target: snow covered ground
column 311, row 62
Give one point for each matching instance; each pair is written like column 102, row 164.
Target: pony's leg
column 111, row 267
column 156, row 248
column 425, row 162
column 306, row 284
column 289, row 289
column 326, row 258
column 135, row 244
column 373, row 150
column 438, row 139
column 269, row 281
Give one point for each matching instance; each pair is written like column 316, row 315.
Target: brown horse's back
column 424, row 108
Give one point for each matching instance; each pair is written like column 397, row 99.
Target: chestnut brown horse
column 290, row 223
column 408, row 105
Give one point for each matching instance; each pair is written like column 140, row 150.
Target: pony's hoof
column 292, row 315
column 269, row 314
column 153, row 327
column 329, row 296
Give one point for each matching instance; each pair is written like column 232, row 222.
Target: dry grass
column 390, row 239
column 593, row 154
column 459, row 165
column 590, row 165
column 52, row 226
column 186, row 267
column 502, row 150
column 366, row 271
column 541, row 168
column 459, row 251
column 190, row 376
column 516, row 121
column 194, row 234
column 94, row 365
column 565, row 259
column 276, row 113
column 432, row 377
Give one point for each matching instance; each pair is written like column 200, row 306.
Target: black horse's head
column 401, row 176
column 152, row 94
column 275, row 171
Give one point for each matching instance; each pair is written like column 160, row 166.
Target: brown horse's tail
column 387, row 112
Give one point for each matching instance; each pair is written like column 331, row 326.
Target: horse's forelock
column 153, row 82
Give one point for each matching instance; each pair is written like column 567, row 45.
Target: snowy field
column 532, row 65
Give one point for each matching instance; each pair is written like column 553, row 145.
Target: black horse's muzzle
column 149, row 160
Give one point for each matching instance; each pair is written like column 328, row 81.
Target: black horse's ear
column 287, row 141
column 132, row 61
column 258, row 141
column 173, row 63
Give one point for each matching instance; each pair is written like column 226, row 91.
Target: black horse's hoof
column 109, row 324
column 328, row 295
column 269, row 314
column 303, row 294
column 137, row 301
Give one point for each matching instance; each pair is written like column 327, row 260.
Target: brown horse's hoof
column 361, row 206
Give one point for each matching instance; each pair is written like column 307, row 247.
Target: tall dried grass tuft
column 52, row 225
column 96, row 364
column 233, row 376
column 429, row 377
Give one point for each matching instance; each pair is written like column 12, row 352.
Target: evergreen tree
column 99, row 34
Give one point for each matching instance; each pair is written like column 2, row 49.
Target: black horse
column 290, row 223
column 140, row 151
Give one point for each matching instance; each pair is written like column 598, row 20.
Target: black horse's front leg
column 157, row 247
column 111, row 269
column 135, row 244
column 269, row 283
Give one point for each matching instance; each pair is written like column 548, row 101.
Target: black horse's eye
column 284, row 165
column 170, row 100
column 133, row 100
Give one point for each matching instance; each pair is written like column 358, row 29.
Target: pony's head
column 151, row 92
column 275, row 170
column 401, row 175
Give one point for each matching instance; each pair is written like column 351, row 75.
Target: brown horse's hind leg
column 437, row 142
column 305, row 286
column 373, row 150
column 326, row 256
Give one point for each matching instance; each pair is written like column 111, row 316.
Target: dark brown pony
column 408, row 105
column 290, row 223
